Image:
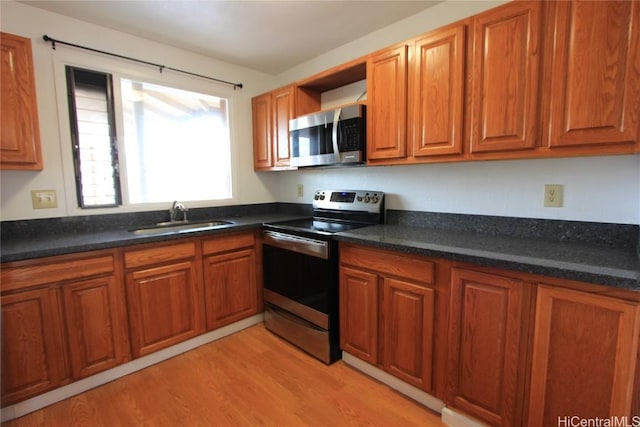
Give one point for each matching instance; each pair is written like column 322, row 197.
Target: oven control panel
column 349, row 200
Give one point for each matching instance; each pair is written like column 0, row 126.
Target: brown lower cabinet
column 164, row 295
column 231, row 286
column 33, row 358
column 63, row 319
column 503, row 347
column 585, row 352
column 487, row 345
column 68, row 317
column 526, row 352
column 388, row 312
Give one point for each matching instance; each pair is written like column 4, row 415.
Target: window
column 93, row 138
column 175, row 143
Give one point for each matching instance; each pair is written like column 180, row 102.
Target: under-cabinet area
column 503, row 347
column 68, row 317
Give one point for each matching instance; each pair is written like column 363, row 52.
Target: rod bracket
column 46, row 38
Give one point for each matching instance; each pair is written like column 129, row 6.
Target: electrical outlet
column 300, row 190
column 553, row 195
column 44, row 199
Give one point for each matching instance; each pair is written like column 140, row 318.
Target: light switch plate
column 44, row 199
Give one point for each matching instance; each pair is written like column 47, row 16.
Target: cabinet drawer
column 22, row 275
column 401, row 265
column 159, row 254
column 227, row 242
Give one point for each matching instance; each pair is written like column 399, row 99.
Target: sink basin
column 180, row 227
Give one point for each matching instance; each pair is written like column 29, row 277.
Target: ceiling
column 268, row 36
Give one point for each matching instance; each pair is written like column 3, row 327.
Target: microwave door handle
column 334, row 134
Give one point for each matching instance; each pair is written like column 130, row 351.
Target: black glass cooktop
column 317, row 226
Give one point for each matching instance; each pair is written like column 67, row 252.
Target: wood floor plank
column 251, row 378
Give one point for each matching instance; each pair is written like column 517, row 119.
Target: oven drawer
column 306, row 335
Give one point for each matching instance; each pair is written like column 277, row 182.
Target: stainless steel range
column 301, row 269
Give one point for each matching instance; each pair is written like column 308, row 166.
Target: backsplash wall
column 596, row 189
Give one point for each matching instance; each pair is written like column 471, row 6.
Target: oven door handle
column 303, row 245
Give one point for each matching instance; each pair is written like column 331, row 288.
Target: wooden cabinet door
column 408, row 331
column 485, row 345
column 164, row 306
column 585, row 351
column 595, row 77
column 33, row 358
column 20, row 136
column 230, row 287
column 505, row 78
column 359, row 314
column 436, row 93
column 262, row 132
column 387, row 104
column 96, row 329
column 282, row 112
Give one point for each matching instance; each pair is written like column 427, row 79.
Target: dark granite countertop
column 605, row 254
column 587, row 262
column 60, row 242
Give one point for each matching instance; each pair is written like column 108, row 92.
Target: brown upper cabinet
column 436, row 92
column 20, row 143
column 505, row 74
column 416, row 98
column 387, row 81
column 527, row 79
column 282, row 112
column 271, row 114
column 262, row 132
column 594, row 89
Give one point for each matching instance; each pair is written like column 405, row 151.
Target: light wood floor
column 251, row 378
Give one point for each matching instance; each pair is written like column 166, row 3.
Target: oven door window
column 301, row 278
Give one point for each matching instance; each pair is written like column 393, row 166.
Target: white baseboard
column 449, row 416
column 408, row 390
column 456, row 419
column 27, row 406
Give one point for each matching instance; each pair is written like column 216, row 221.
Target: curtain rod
column 53, row 41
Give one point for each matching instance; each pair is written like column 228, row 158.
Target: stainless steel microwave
column 329, row 137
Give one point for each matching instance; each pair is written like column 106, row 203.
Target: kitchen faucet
column 175, row 208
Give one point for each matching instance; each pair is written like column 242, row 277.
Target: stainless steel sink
column 180, row 227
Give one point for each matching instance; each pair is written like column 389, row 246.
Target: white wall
column 27, row 21
column 600, row 189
